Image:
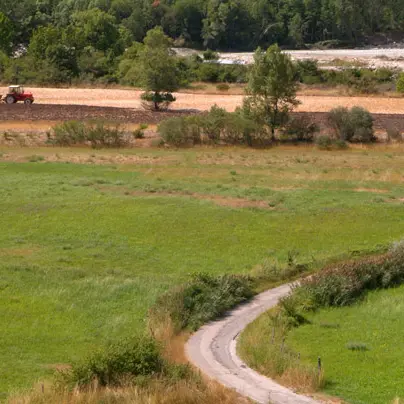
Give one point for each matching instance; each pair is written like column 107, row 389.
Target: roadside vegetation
column 325, row 334
column 121, row 229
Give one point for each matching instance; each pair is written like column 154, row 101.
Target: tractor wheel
column 28, row 101
column 10, row 99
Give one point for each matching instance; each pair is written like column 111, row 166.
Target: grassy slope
column 83, row 253
column 369, row 377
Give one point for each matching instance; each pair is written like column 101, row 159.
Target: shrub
column 202, row 299
column 394, row 134
column 69, row 133
column 216, row 126
column 97, row 133
column 400, row 83
column 210, row 55
column 300, row 128
column 324, row 142
column 139, row 132
column 355, row 125
column 156, row 101
column 180, row 131
column 223, row 87
column 308, row 71
column 116, row 363
column 345, row 283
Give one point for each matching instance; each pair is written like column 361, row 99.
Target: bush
column 400, row 83
column 300, row 128
column 139, row 132
column 96, row 133
column 345, row 283
column 223, row 87
column 202, row 299
column 69, row 133
column 216, row 126
column 156, row 101
column 115, row 364
column 99, row 135
column 355, row 125
column 180, row 131
column 308, row 71
column 328, row 143
column 210, row 55
column 393, row 134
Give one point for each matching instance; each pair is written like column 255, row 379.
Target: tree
column 98, row 29
column 271, row 90
column 6, row 33
column 158, row 69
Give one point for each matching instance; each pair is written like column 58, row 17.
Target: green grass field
column 372, row 376
column 86, row 248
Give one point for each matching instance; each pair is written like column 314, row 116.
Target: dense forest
column 87, row 37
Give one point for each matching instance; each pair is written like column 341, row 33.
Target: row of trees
column 226, row 24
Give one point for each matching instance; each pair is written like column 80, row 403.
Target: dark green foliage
column 345, row 283
column 354, row 125
column 216, row 126
column 271, row 90
column 202, row 299
column 180, row 131
column 157, row 101
column 97, row 134
column 400, row 83
column 300, row 128
column 139, row 132
column 116, row 363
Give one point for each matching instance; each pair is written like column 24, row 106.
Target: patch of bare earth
column 216, row 199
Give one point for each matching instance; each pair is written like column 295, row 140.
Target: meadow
column 89, row 239
column 360, row 347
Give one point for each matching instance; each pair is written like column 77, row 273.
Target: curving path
column 213, row 350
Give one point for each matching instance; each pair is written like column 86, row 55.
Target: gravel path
column 213, row 350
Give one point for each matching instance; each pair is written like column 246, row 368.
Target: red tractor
column 17, row 93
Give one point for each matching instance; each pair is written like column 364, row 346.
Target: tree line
column 107, row 25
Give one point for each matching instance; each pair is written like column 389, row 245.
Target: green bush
column 180, row 131
column 355, row 125
column 139, row 132
column 223, row 87
column 116, row 363
column 202, row 299
column 400, row 83
column 97, row 133
column 100, row 135
column 325, row 142
column 300, row 128
column 69, row 133
column 343, row 284
column 215, row 126
column 210, row 55
column 156, row 101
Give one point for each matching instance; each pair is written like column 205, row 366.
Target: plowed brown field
column 197, row 101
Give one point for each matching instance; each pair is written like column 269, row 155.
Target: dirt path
column 213, row 350
column 197, row 101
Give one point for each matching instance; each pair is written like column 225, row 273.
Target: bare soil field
column 40, row 118
column 197, row 101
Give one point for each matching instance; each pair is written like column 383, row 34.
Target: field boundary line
column 212, row 349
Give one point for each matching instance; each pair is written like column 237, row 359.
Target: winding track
column 213, row 350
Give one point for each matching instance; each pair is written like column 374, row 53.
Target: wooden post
column 319, row 365
column 283, row 344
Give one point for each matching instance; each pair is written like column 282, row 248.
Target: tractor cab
column 17, row 93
